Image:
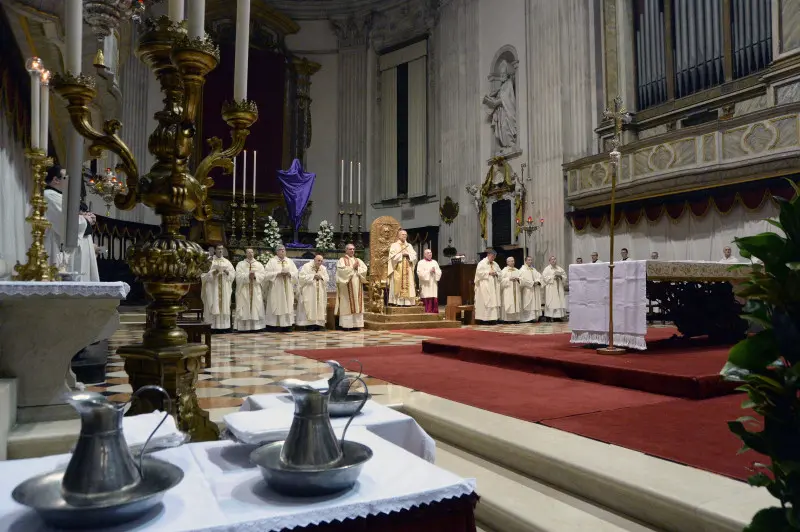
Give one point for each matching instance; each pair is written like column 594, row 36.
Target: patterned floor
column 246, row 364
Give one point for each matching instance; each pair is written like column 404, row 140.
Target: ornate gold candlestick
column 244, row 241
column 254, row 239
column 342, row 238
column 169, row 264
column 359, row 239
column 350, row 236
column 234, row 241
column 37, row 268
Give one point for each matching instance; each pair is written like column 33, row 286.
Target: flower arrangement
column 272, row 235
column 264, row 257
column 325, row 237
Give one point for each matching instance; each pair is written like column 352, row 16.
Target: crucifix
column 620, row 116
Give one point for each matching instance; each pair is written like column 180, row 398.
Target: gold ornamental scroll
column 382, row 234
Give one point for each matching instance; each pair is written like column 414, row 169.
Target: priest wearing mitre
column 312, row 301
column 531, row 284
column 84, row 259
column 351, row 274
column 429, row 274
column 554, row 279
column 280, row 277
column 216, row 294
column 487, row 288
column 402, row 258
column 511, row 291
column 249, row 294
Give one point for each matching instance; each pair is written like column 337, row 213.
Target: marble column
column 458, row 118
column 304, row 69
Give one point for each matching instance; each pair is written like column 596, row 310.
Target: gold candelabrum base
column 38, row 268
column 168, row 264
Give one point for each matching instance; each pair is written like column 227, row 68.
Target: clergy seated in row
column 487, row 289
column 531, row 282
column 84, row 260
column 402, row 257
column 312, row 298
column 280, row 276
column 250, row 311
column 217, row 285
column 351, row 275
column 429, row 274
column 554, row 279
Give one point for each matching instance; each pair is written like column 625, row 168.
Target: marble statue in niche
column 502, row 105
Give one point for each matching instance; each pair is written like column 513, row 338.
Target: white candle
column 244, row 178
column 74, row 35
column 234, row 179
column 341, row 192
column 359, row 183
column 350, row 194
column 197, row 19
column 242, row 50
column 44, row 118
column 254, row 175
column 36, row 88
column 176, row 10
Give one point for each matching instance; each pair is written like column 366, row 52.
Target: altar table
column 697, row 296
column 222, row 491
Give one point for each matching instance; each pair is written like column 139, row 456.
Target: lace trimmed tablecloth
column 116, row 290
column 222, row 491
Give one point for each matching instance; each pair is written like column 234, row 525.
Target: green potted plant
column 768, row 364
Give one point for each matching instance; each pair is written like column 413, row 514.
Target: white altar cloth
column 588, row 303
column 267, row 417
column 222, row 491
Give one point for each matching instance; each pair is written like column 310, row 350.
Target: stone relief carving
column 502, row 103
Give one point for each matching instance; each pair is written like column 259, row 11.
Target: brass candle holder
column 244, row 241
column 37, row 268
column 350, row 236
column 168, row 264
column 359, row 239
column 234, row 241
column 254, row 238
column 342, row 237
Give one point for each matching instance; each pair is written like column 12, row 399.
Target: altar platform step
column 394, row 322
column 627, row 487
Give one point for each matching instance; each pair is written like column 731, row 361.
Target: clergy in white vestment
column 554, row 279
column 312, row 300
column 487, row 288
column 216, row 294
column 511, row 292
column 727, row 256
column 429, row 274
column 351, row 274
column 280, row 276
column 402, row 258
column 84, row 260
column 249, row 294
column 531, row 284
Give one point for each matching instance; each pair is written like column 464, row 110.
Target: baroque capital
column 352, row 30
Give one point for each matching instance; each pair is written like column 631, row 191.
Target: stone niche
column 501, row 103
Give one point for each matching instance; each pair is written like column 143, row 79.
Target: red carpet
column 679, row 368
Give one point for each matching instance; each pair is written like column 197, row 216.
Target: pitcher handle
column 360, row 370
column 360, row 407
column 168, row 409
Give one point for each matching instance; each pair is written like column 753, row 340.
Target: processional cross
column 620, row 116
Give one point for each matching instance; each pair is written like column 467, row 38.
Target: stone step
column 514, row 503
column 401, row 318
column 665, row 495
column 396, row 326
column 405, row 310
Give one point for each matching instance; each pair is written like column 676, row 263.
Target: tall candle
column 254, row 175
column 350, row 194
column 341, row 191
column 44, row 119
column 74, row 35
column 242, row 53
column 176, row 10
column 234, row 179
column 359, row 183
column 197, row 19
column 36, row 89
column 244, row 179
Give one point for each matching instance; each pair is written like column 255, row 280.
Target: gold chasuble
column 402, row 290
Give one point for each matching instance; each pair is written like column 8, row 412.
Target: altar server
column 84, row 259
column 487, row 288
column 402, row 258
column 429, row 274
column 216, row 294
column 351, row 274
column 554, row 279
column 249, row 294
column 312, row 300
column 531, row 284
column 511, row 292
column 280, row 278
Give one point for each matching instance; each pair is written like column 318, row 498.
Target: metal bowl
column 69, row 276
column 313, row 482
column 347, row 407
column 43, row 494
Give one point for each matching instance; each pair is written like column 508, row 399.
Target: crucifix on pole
column 620, row 116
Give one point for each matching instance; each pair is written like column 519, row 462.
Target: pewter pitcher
column 311, row 443
column 339, row 384
column 102, row 469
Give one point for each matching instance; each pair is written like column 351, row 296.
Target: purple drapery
column 297, row 186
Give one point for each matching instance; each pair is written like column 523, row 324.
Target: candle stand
column 244, row 241
column 254, row 241
column 359, row 237
column 342, row 237
column 234, row 240
column 350, row 234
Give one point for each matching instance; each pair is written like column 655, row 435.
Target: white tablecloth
column 115, row 290
column 222, row 491
column 588, row 303
column 267, row 417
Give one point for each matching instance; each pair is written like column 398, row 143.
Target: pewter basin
column 351, row 404
column 43, row 494
column 310, row 482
